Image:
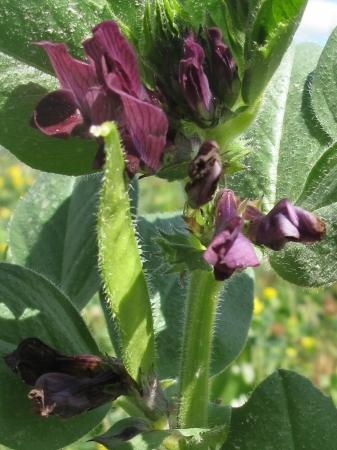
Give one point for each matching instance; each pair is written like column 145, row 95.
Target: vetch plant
column 208, row 93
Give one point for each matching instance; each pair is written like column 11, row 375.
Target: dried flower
column 204, row 171
column 67, row 385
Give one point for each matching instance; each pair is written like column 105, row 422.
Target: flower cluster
column 106, row 87
column 230, row 249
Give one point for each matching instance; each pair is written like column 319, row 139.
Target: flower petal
column 147, row 125
column 73, row 75
column 57, row 114
column 108, row 43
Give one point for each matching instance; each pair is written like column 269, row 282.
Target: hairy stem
column 196, row 353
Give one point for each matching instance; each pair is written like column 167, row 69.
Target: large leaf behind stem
column 120, row 262
column 31, row 306
column 53, row 231
column 324, row 89
column 292, row 159
column 168, row 297
column 285, row 412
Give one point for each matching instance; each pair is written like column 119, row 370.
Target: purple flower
column 67, row 385
column 106, row 87
column 222, row 63
column 230, row 249
column 192, row 78
column 204, row 171
column 285, row 222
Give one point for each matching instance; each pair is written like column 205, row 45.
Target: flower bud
column 222, row 64
column 285, row 222
column 204, row 171
column 193, row 80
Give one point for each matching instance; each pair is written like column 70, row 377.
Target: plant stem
column 196, row 352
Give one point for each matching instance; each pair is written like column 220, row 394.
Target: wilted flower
column 204, row 171
column 230, row 249
column 285, row 222
column 67, row 385
column 106, row 87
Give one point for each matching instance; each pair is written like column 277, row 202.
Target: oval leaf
column 120, row 261
column 53, row 231
column 324, row 89
column 286, row 412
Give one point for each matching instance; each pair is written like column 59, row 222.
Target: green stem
column 196, row 353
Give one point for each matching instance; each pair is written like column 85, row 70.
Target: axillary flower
column 230, row 249
column 105, row 87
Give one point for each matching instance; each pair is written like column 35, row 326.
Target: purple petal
column 192, row 78
column 73, row 75
column 109, row 45
column 241, row 254
column 286, row 222
column 57, row 114
column 147, row 125
column 230, row 250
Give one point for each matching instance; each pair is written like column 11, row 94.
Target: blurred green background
column 293, row 328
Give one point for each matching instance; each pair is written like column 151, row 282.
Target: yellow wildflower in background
column 2, row 182
column 3, row 247
column 291, row 352
column 308, row 342
column 16, row 176
column 100, row 447
column 258, row 306
column 269, row 293
column 5, row 213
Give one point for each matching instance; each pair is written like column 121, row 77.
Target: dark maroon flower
column 229, row 250
column 285, row 222
column 222, row 64
column 107, row 87
column 204, row 171
column 192, row 78
column 67, row 385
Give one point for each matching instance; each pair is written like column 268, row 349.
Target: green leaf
column 21, row 88
column 234, row 315
column 321, row 185
column 286, row 412
column 183, row 251
column 285, row 138
column 53, row 231
column 291, row 159
column 26, row 21
column 120, row 261
column 269, row 36
column 30, row 306
column 324, row 97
